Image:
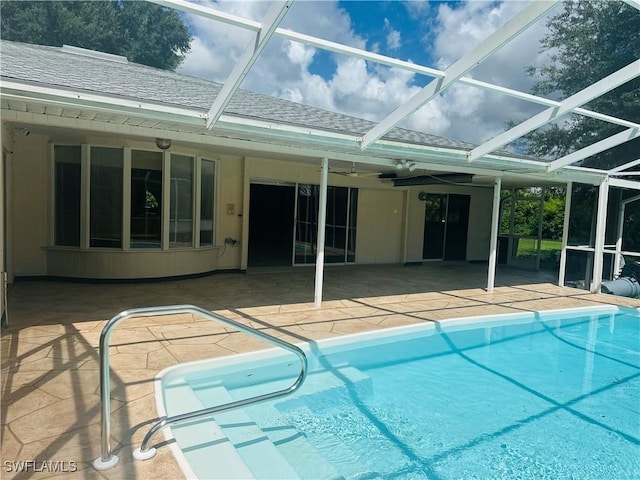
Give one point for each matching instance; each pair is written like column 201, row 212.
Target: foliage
column 526, row 213
column 589, row 40
column 143, row 32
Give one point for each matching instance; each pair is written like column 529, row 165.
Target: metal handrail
column 107, row 459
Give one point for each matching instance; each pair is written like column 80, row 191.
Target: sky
column 433, row 34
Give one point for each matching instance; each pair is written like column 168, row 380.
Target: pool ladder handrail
column 107, row 459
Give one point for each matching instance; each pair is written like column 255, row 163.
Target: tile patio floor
column 49, row 376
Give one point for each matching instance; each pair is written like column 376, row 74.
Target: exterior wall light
column 163, row 143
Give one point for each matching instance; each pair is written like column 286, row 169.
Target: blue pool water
column 531, row 396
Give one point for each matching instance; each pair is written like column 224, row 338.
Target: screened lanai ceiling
column 440, row 80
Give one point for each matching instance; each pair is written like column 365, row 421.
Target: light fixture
column 403, row 164
column 163, row 143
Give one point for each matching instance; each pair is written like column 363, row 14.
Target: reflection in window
column 207, row 179
column 106, row 197
column 181, row 207
column 67, row 196
column 146, row 199
column 340, row 229
column 149, row 212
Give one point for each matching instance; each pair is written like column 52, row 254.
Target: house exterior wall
column 29, row 186
column 390, row 224
column 479, row 233
column 230, row 193
column 33, row 253
column 380, row 226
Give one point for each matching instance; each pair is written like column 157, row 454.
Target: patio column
column 565, row 234
column 601, row 224
column 493, row 254
column 322, row 221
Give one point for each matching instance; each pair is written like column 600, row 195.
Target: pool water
column 529, row 396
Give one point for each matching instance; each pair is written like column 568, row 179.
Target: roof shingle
column 54, row 66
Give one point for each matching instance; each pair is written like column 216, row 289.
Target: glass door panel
column 434, row 227
column 307, row 224
column 457, row 224
column 340, row 229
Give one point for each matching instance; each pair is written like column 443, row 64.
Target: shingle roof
column 53, row 66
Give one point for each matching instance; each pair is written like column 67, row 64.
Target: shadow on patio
column 50, row 408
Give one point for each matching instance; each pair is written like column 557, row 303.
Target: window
column 207, row 178
column 146, row 199
column 67, row 195
column 181, row 211
column 106, row 197
column 160, row 205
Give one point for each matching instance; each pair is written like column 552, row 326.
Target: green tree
column 590, row 40
column 141, row 31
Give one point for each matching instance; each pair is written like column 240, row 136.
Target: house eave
column 255, row 134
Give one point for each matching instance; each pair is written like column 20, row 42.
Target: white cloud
column 477, row 115
column 393, row 36
column 350, row 85
column 300, row 54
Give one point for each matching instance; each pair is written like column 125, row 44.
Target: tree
column 141, row 31
column 591, row 39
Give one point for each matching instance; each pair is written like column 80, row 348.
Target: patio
column 50, row 407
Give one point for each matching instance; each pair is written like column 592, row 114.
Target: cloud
column 393, row 36
column 477, row 115
column 352, row 86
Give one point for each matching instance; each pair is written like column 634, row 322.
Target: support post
column 601, row 223
column 322, row 221
column 565, row 234
column 493, row 254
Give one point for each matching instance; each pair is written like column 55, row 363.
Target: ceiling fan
column 354, row 173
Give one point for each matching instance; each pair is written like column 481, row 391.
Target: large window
column 181, row 210
column 67, row 195
column 146, row 199
column 106, row 197
column 157, row 207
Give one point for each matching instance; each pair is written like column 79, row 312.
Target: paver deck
column 50, row 402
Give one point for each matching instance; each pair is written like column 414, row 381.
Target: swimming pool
column 536, row 395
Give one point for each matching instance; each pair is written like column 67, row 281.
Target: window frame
column 85, row 197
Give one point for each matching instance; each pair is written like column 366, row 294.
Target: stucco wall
column 388, row 217
column 29, row 186
column 32, row 253
column 380, row 226
column 229, row 210
column 479, row 220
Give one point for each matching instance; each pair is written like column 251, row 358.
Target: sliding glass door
column 340, row 230
column 446, row 222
